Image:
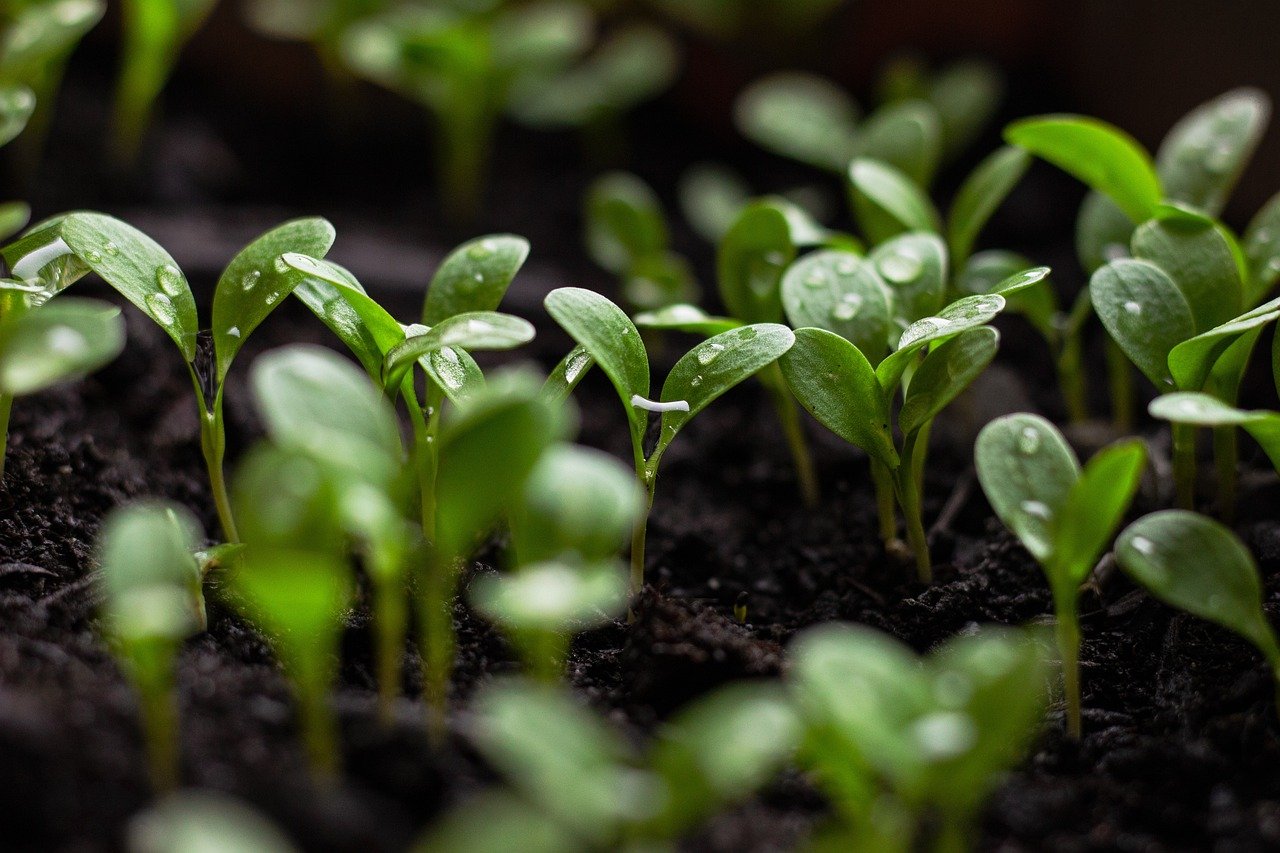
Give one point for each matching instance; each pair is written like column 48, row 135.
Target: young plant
column 152, row 601
column 1064, row 516
column 700, row 376
column 45, row 345
column 154, row 32
column 59, row 251
column 577, row 511
column 626, row 234
column 933, row 361
column 17, row 104
column 1196, row 564
column 578, row 784
column 896, row 740
column 203, row 820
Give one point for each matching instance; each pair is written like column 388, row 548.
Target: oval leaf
column 914, row 267
column 1193, row 252
column 625, row 222
column 474, row 277
column 980, row 195
column 473, row 330
column 842, row 293
column 1093, row 511
column 945, row 372
column 799, row 116
column 751, row 260
column 968, row 312
column 887, row 202
column 907, row 136
column 1144, row 312
column 1205, row 153
column 685, row 318
column 59, row 341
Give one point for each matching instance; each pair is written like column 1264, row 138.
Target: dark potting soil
column 1181, row 738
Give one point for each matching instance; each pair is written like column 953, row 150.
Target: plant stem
column 390, row 617
column 909, row 499
column 1120, row 377
column 649, row 479
column 151, row 670
column 1225, row 454
column 1184, row 465
column 1071, row 379
column 213, row 444
column 886, row 502
column 437, row 638
column 6, row 407
column 1067, row 630
column 792, row 427
column 319, row 734
column 425, row 427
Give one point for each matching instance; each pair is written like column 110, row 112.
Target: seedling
column 700, row 376
column 933, row 361
column 53, row 343
column 896, row 740
column 154, row 32
column 59, row 251
column 1064, row 516
column 578, row 783
column 203, row 820
column 1202, row 410
column 1196, row 564
column 152, row 602
column 578, row 508
column 626, row 234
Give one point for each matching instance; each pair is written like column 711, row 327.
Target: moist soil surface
column 1181, row 740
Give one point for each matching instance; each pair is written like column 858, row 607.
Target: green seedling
column 700, row 376
column 43, row 345
column 1195, row 564
column 59, row 251
column 908, row 750
column 711, row 198
column 932, row 361
column 578, row 783
column 152, row 601
column 315, row 402
column 626, row 234
column 154, row 32
column 1197, row 165
column 196, row 820
column 578, row 509
column 1202, row 410
column 1063, row 515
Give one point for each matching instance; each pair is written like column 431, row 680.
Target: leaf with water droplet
column 967, row 312
column 887, row 202
column 915, row 268
column 474, row 277
column 683, row 317
column 1193, row 361
column 842, row 293
column 473, row 330
column 978, row 198
column 567, row 373
column 719, row 364
column 135, row 271
column 800, row 116
column 454, row 371
column 751, row 260
column 1205, row 153
column 1144, row 312
column 1206, row 411
column 1198, row 565
column 944, row 374
column 245, row 307
column 1261, row 246
column 59, row 341
column 17, row 103
column 1198, row 256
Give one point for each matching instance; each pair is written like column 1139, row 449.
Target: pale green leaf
column 474, row 277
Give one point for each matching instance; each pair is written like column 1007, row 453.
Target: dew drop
column 480, row 251
column 815, row 279
column 746, row 333
column 1143, row 545
column 281, row 266
column 576, row 365
column 846, row 266
column 708, row 353
column 250, row 280
column 67, row 342
column 161, row 309
column 233, row 332
column 1029, row 441
column 169, row 279
column 111, row 248
column 900, row 267
column 695, row 381
column 92, row 256
column 1036, row 509
column 847, row 307
column 1133, row 308
column 448, row 368
column 272, row 298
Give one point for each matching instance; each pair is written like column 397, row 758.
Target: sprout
column 933, row 361
column 1197, row 565
column 154, row 32
column 894, row 739
column 1064, row 516
column 704, row 373
column 152, row 602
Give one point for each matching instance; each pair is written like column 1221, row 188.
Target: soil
column 1181, row 737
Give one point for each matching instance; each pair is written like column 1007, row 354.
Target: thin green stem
column 426, row 458
column 464, row 143
column 1184, row 465
column 319, row 732
column 1120, row 379
column 909, row 500
column 1225, row 455
column 213, row 445
column 886, row 501
column 6, row 408
column 793, row 428
column 437, row 638
column 151, row 670
column 649, row 479
column 1067, row 631
column 390, row 619
column 1071, row 379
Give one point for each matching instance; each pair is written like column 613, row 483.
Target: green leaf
column 57, row 342
column 1144, row 312
column 334, row 295
column 474, row 277
column 256, row 281
column 1028, row 472
column 624, row 222
column 906, row 136
column 150, row 579
column 496, row 822
column 1197, row 565
column 1193, row 252
column 140, row 269
column 289, row 500
column 658, row 279
column 203, row 820
column 836, row 384
column 1203, row 410
column 711, row 197
column 713, row 367
column 455, row 372
column 473, row 330
column 914, row 267
column 1205, row 153
column 1084, row 525
column 17, row 103
column 968, row 312
column 946, row 372
column 14, row 216
column 751, row 260
column 887, row 202
column 576, row 501
column 800, row 116
column 1103, row 232
column 989, row 271
column 683, row 317
column 566, row 375
column 315, row 401
column 980, row 195
column 612, row 340
column 1262, row 249
column 40, row 34
column 1101, row 155
column 966, row 95
column 555, row 596
column 1193, row 361
column 842, row 293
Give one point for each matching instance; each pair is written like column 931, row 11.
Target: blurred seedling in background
column 609, row 339
column 196, row 820
column 1063, row 515
column 152, row 601
column 578, row 784
column 908, row 749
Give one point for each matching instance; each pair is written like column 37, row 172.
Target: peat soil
column 1181, row 739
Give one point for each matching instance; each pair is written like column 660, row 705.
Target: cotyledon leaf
column 57, row 342
column 1261, row 244
column 906, row 135
column 1204, row 154
column 1196, row 256
column 887, row 202
column 472, row 330
column 980, row 195
column 17, row 103
column 1204, row 410
column 842, row 293
column 1144, row 312
column 567, row 373
column 945, row 372
column 1084, row 525
column 750, row 262
column 914, row 268
column 965, row 313
column 683, row 317
column 1191, row 362
column 474, row 277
